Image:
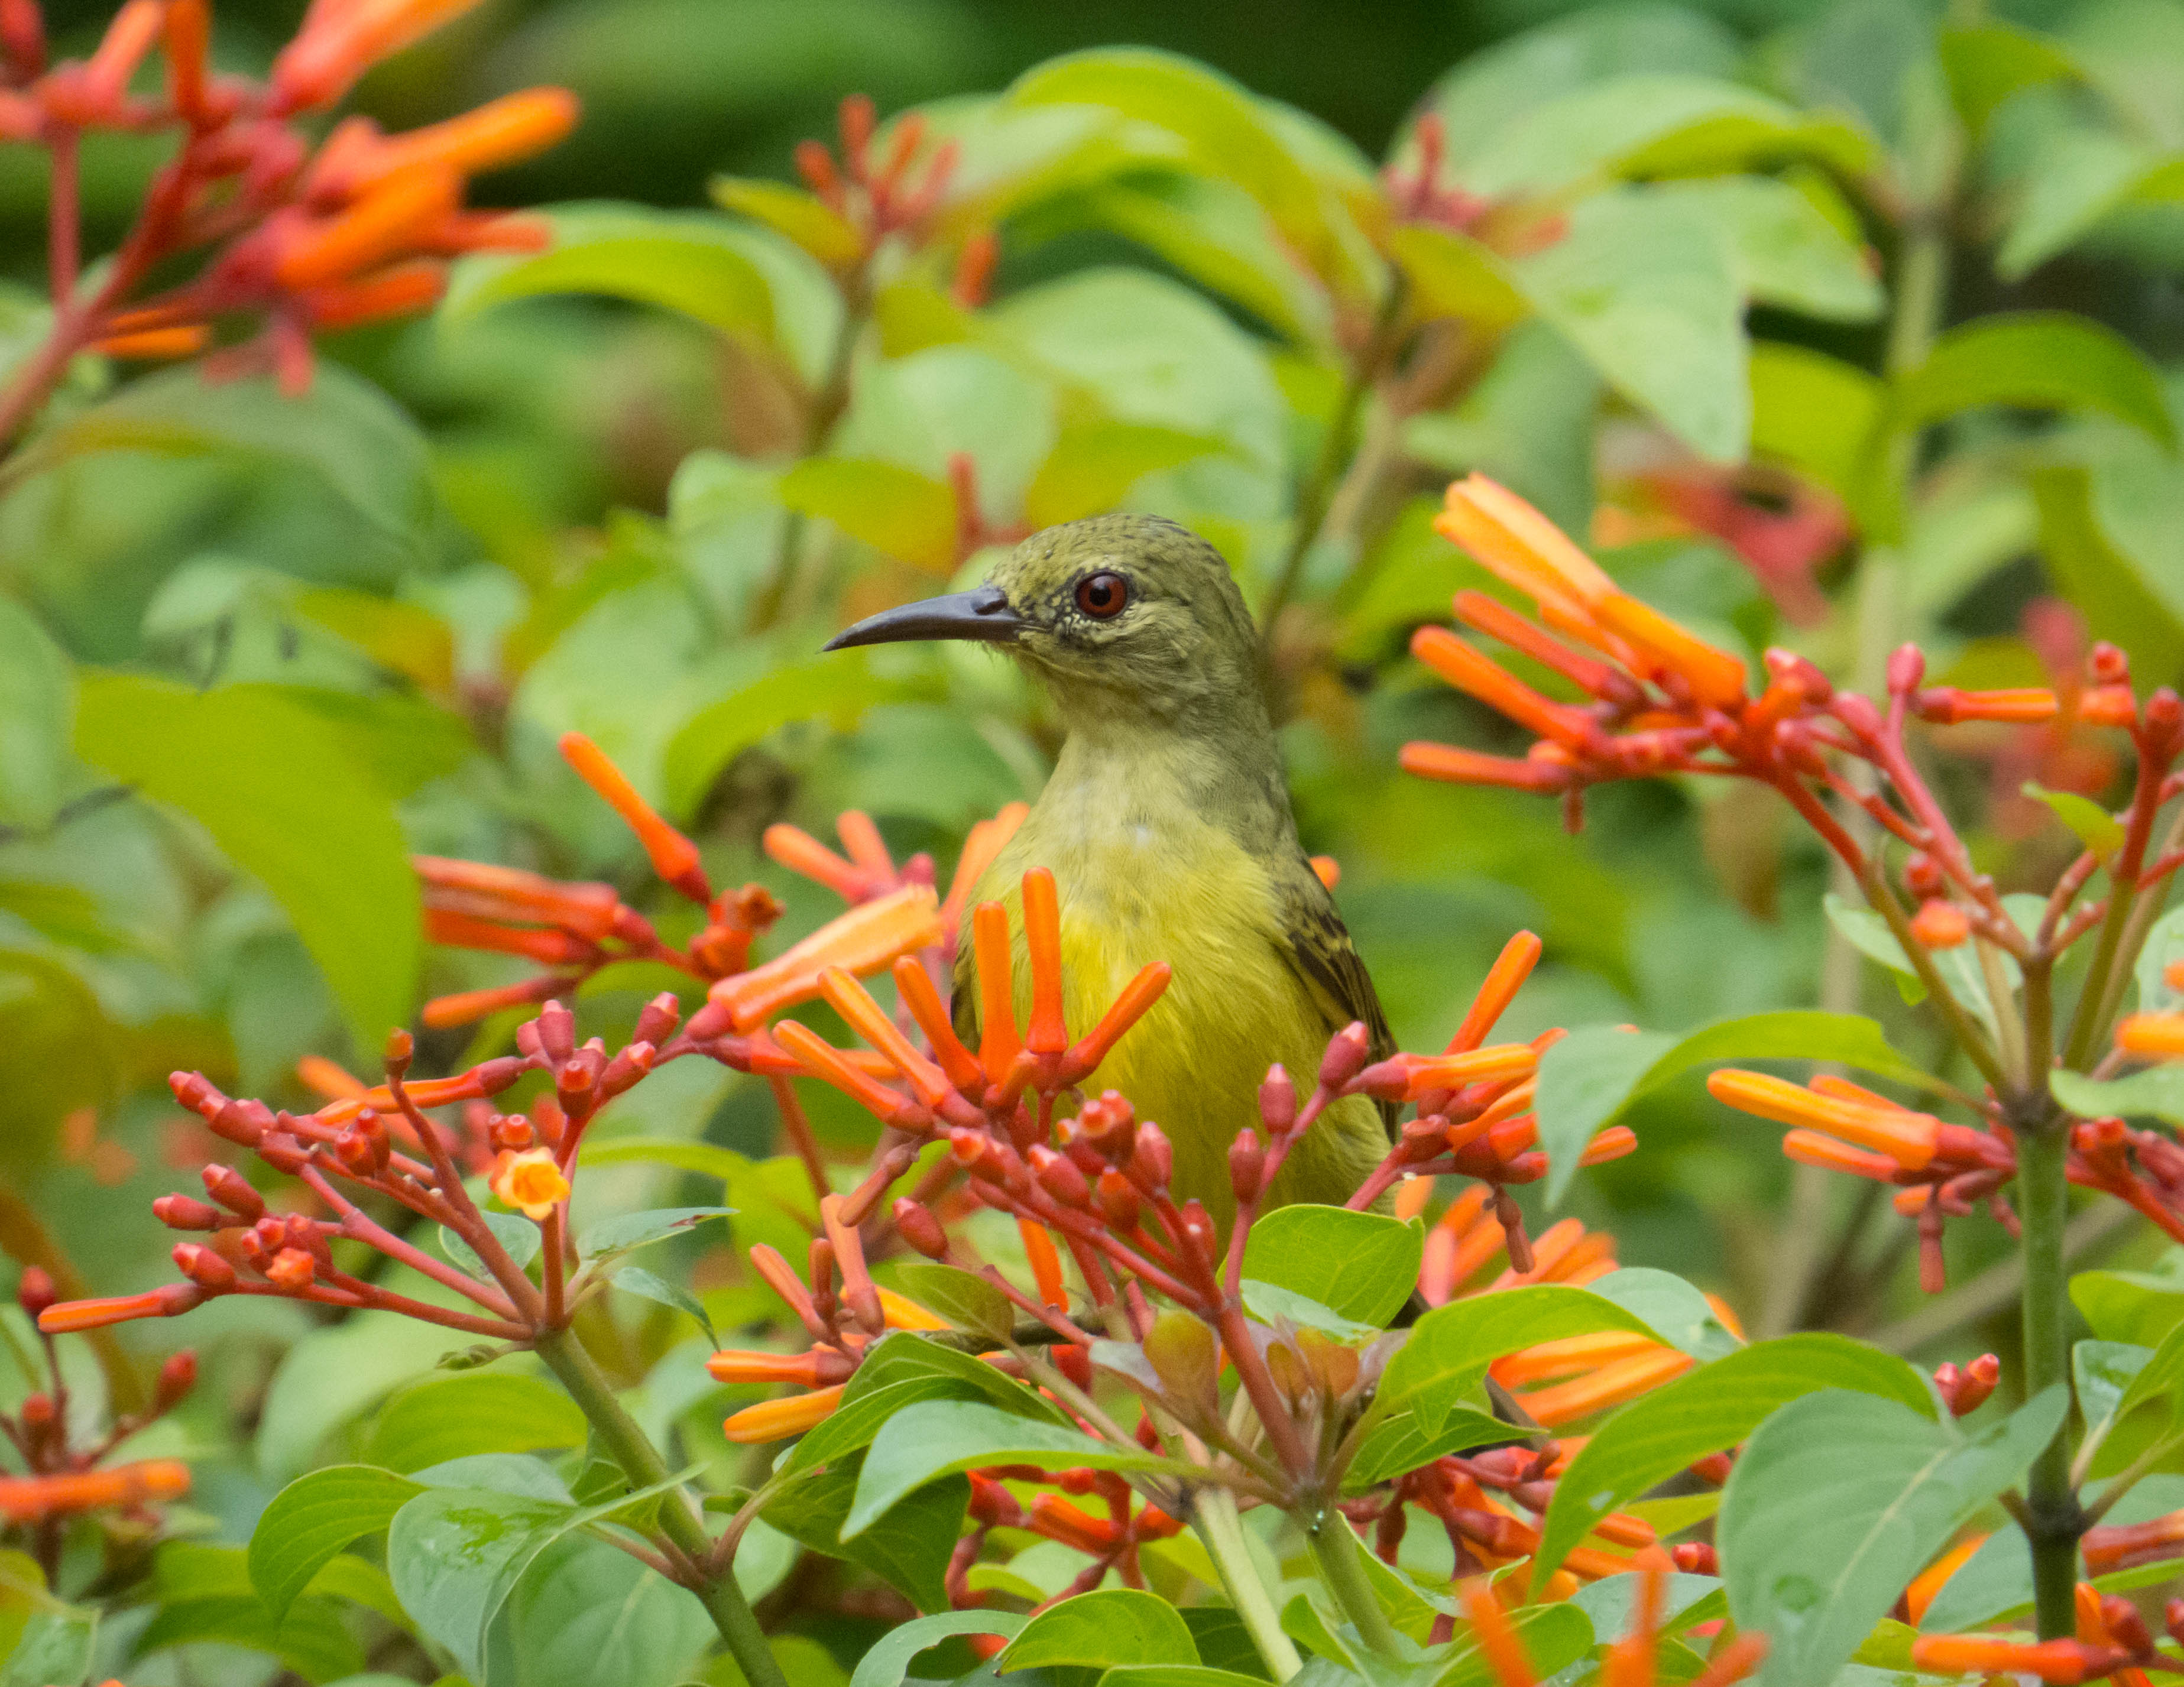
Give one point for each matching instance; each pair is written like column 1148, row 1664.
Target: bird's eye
column 1101, row 596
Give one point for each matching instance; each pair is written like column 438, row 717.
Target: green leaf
column 1554, row 1638
column 1225, row 132
column 629, row 1230
column 1705, row 1412
column 894, row 510
column 1988, row 63
column 1656, row 125
column 2136, row 1306
column 350, row 436
column 2075, row 176
column 801, row 217
column 283, row 797
column 2101, row 1374
column 890, row 1657
column 966, row 1299
column 1818, row 415
column 901, row 1370
column 1094, row 464
column 584, row 1611
column 477, row 1411
column 637, row 1281
column 1685, row 1600
column 1671, row 1307
column 312, row 1519
column 455, row 1554
column 1361, row 1266
column 2097, row 829
column 1178, row 1674
column 688, row 261
column 1646, row 289
column 37, row 703
column 519, row 1239
column 1266, row 1303
column 56, row 1646
column 1994, row 1585
column 1584, row 1081
column 1838, row 1501
column 1787, row 253
column 1107, row 1628
column 2109, row 537
column 838, row 687
column 2156, row 1092
column 1454, row 276
column 2037, row 361
column 941, row 1438
column 908, row 1548
column 2164, row 949
column 2159, row 1382
column 708, row 1160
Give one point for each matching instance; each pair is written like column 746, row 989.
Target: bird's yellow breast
column 1140, row 882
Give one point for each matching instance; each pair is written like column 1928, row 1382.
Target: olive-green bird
column 1167, row 827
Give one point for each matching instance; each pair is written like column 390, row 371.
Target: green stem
column 1317, row 492
column 1213, row 1514
column 2055, row 1521
column 629, row 1447
column 1334, row 1549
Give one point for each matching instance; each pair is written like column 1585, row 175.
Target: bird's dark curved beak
column 982, row 614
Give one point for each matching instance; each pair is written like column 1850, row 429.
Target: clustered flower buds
column 305, row 241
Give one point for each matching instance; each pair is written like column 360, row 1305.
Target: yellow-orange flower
column 775, row 1420
column 531, row 1182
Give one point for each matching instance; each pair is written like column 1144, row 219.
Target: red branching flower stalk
column 302, row 241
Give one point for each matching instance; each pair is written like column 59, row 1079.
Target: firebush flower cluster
column 299, row 236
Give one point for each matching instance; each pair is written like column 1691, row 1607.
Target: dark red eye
column 1101, row 596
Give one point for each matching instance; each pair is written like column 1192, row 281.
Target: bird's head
column 1115, row 613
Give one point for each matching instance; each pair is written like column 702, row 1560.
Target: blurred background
column 558, row 504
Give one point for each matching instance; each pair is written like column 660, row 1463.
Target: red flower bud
column 1907, row 666
column 1059, row 1176
column 36, row 1291
column 1118, row 1201
column 1347, row 1051
column 203, row 1268
column 1278, row 1103
column 512, row 1133
column 232, row 1190
column 556, row 1028
column 1198, row 1228
column 291, row 1270
column 1247, row 1167
column 1109, row 1125
column 916, row 1226
column 1695, row 1558
column 283, row 1153
column 1922, row 876
column 1153, row 1158
column 244, row 1122
column 178, row 1377
column 180, row 1212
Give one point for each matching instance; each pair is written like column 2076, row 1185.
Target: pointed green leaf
column 312, row 1518
column 941, row 1438
column 1107, row 1626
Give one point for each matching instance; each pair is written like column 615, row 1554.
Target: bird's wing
column 1316, row 945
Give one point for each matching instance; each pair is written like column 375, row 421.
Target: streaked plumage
column 1168, row 829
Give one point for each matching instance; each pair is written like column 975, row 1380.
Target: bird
column 1168, row 826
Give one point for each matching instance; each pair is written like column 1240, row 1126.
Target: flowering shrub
column 680, row 1295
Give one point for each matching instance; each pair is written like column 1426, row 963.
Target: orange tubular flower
column 34, row 1499
column 824, row 1061
column 1611, row 1384
column 914, row 984
column 502, row 131
column 156, row 345
column 1810, row 1148
column 805, row 1370
column 1497, row 1641
column 980, row 849
column 775, row 1420
column 169, row 1300
column 391, row 220
column 1941, row 924
column 998, row 1046
column 866, row 1017
column 1907, row 1138
column 1127, row 1008
column 802, row 854
column 2026, row 705
column 1463, row 666
column 1327, row 869
column 1045, row 1263
column 1044, row 1033
column 1503, row 1060
column 1457, row 766
column 1569, row 1356
column 467, row 1007
column 867, row 938
column 399, row 290
column 903, row 1313
column 2152, row 1036
column 323, row 1077
column 532, row 1182
column 674, row 857
column 2055, row 1660
column 342, row 40
column 510, row 893
column 1504, row 978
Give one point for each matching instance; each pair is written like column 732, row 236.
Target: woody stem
column 679, row 1520
column 1214, row 1515
column 2054, row 1520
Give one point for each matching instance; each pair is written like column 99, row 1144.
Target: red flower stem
column 1094, row 1269
column 1266, row 1399
column 386, row 1299
column 63, row 220
column 1814, row 813
column 1043, row 1209
column 468, row 1222
column 1055, row 1319
column 797, row 1127
column 1968, row 1036
column 553, row 1241
column 360, row 1226
column 2059, row 899
column 2113, row 951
